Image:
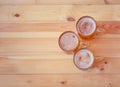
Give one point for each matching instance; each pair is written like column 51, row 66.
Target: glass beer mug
column 70, row 42
column 87, row 27
column 85, row 59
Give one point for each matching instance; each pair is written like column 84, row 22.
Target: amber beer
column 83, row 59
column 86, row 27
column 69, row 41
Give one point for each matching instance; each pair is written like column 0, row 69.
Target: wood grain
column 29, row 51
column 72, row 2
column 13, row 66
column 18, row 2
column 38, row 46
column 60, row 80
column 57, row 13
column 81, row 2
column 110, row 27
column 21, row 56
column 56, row 2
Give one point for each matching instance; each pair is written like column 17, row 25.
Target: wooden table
column 29, row 51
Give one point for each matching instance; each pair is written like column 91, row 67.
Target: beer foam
column 84, row 59
column 69, row 41
column 86, row 26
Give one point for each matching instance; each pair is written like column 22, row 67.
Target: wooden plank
column 80, row 2
column 57, row 13
column 112, row 2
column 60, row 80
column 41, row 46
column 29, row 34
column 17, row 2
column 106, row 47
column 17, row 65
column 47, row 35
column 111, row 27
column 71, row 2
column 37, row 27
column 61, row 2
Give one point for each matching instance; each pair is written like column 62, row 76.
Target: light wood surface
column 57, row 13
column 29, row 51
column 58, row 2
column 60, row 80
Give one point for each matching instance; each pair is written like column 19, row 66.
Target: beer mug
column 87, row 27
column 70, row 42
column 84, row 59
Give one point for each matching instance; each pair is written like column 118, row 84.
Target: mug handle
column 100, row 30
column 84, row 44
column 99, row 58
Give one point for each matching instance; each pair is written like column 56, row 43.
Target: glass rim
column 77, row 65
column 82, row 35
column 76, row 45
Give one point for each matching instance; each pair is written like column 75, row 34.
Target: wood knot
column 63, row 82
column 17, row 15
column 105, row 62
column 101, row 69
column 110, row 84
column 106, row 1
column 70, row 19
